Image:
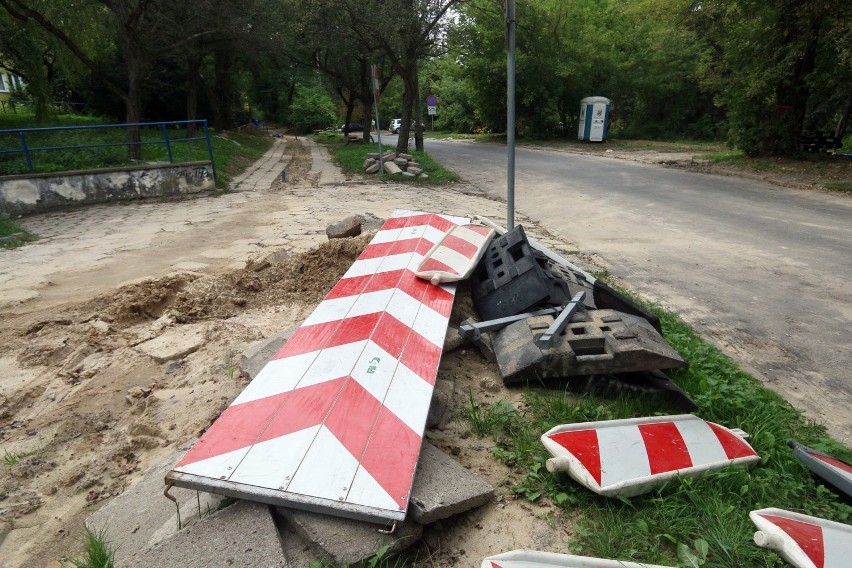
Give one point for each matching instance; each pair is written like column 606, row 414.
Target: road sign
column 335, row 421
column 432, row 110
column 432, row 100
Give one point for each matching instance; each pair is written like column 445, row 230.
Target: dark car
column 353, row 127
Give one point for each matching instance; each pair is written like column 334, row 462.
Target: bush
column 312, row 109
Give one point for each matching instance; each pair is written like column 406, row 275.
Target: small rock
column 414, row 170
column 373, row 169
column 401, row 162
column 349, row 227
column 412, row 164
column 369, row 162
column 408, row 174
column 424, row 175
column 392, row 168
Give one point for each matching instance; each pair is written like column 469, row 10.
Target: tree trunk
column 133, row 110
column 840, row 131
column 192, row 80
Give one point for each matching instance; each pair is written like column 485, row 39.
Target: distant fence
column 23, row 149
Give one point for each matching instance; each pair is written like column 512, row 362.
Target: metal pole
column 209, row 148
column 378, row 123
column 510, row 114
column 26, row 150
column 166, row 140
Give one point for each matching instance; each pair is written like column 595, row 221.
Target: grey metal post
column 375, row 85
column 209, row 148
column 166, row 140
column 26, row 150
column 510, row 114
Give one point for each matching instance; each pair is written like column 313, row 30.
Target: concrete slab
column 345, row 542
column 243, row 534
column 443, row 488
column 348, row 227
column 440, row 410
column 176, row 342
column 142, row 516
column 257, row 355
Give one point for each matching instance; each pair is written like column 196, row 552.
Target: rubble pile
column 395, row 163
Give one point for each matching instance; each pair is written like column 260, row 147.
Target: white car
column 394, row 125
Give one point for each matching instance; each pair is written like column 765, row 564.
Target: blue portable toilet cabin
column 594, row 119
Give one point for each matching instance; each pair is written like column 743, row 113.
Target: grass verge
column 351, row 158
column 694, row 522
column 13, row 235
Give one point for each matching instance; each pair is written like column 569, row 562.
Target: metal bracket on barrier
column 551, row 336
column 474, row 331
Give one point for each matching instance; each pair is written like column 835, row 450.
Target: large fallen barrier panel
column 334, row 422
column 836, row 472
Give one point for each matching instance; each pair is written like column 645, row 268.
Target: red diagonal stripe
column 481, row 229
column 391, row 335
column 391, row 455
column 351, row 420
column 330, row 334
column 243, row 425
column 583, row 445
column 419, row 245
column 306, row 407
column 665, row 447
column 432, row 265
column 807, row 536
column 416, row 220
column 366, row 284
column 833, row 462
column 421, row 356
column 734, row 446
column 460, row 245
column 438, row 299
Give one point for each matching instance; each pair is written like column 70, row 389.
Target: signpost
column 432, row 108
column 376, row 97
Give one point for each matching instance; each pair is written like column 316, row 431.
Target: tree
column 771, row 57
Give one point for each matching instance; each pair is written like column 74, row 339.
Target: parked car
column 394, row 125
column 353, row 127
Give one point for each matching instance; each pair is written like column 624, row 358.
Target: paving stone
column 414, row 170
column 142, row 516
column 258, row 354
column 408, row 174
column 243, row 534
column 370, row 222
column 373, row 168
column 349, row 227
column 443, row 488
column 346, row 542
column 392, row 168
column 176, row 342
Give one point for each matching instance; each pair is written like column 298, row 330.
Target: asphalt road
column 763, row 272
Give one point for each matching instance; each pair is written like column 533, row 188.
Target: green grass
column 841, row 186
column 351, row 159
column 724, row 156
column 231, row 154
column 673, row 523
column 13, row 235
column 97, row 553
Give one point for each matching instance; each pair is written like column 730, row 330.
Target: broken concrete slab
column 348, row 227
column 443, row 488
column 176, row 342
column 142, row 516
column 440, row 410
column 258, row 354
column 373, row 168
column 596, row 341
column 243, row 534
column 392, row 168
column 346, row 542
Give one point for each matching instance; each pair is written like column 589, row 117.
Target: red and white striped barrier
column 455, row 256
column 630, row 457
column 534, row 559
column 335, row 421
column 803, row 541
column 836, row 472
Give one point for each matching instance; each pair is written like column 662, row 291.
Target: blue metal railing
column 166, row 141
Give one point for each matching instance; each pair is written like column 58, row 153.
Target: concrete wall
column 34, row 193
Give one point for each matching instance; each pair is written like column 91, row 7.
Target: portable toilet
column 594, row 119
